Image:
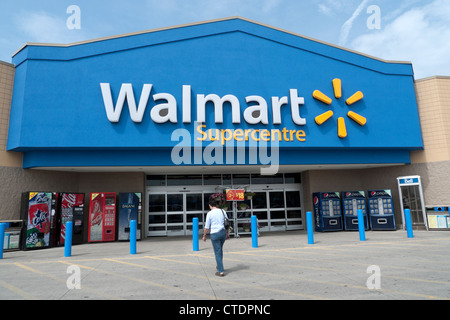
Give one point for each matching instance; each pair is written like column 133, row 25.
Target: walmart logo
column 321, row 119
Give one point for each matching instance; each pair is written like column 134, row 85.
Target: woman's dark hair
column 213, row 202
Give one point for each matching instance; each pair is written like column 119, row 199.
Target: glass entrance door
column 278, row 210
column 156, row 212
column 174, row 201
column 172, row 213
column 176, row 215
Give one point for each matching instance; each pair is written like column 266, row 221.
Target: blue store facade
column 183, row 112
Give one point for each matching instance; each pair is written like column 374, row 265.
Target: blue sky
column 406, row 30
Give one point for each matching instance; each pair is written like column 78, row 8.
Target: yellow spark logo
column 342, row 130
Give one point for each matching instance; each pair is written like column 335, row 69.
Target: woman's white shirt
column 214, row 220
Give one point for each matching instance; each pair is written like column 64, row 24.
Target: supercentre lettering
column 224, row 135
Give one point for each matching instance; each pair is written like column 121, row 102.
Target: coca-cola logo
column 97, row 213
column 69, row 199
column 97, row 218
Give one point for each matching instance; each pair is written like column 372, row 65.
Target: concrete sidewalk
column 388, row 265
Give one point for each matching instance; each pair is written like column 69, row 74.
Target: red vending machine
column 71, row 207
column 102, row 217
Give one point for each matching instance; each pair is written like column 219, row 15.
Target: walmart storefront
column 185, row 112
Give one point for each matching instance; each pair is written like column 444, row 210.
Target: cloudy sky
column 405, row 30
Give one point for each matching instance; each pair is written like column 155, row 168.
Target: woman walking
column 215, row 225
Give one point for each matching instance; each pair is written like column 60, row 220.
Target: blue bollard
column 310, row 227
column 195, row 234
column 408, row 223
column 68, row 240
column 362, row 231
column 133, row 226
column 2, row 238
column 254, row 232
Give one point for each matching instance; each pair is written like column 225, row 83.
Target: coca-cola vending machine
column 102, row 217
column 70, row 208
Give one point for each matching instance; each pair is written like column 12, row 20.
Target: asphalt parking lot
column 338, row 266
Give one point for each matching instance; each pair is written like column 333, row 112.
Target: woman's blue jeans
column 217, row 240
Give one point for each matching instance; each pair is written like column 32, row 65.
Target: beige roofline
column 199, row 23
column 433, row 77
column 6, row 63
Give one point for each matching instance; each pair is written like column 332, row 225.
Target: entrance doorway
column 170, row 213
column 277, row 209
column 171, row 208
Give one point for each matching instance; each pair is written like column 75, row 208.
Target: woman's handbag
column 226, row 222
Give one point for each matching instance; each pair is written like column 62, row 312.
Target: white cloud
column 330, row 7
column 420, row 35
column 325, row 9
column 42, row 27
column 347, row 26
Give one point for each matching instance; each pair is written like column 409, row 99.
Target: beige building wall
column 7, row 159
column 433, row 98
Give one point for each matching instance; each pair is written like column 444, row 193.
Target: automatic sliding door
column 194, row 209
column 293, row 210
column 277, row 211
column 259, row 203
column 175, row 214
column 157, row 215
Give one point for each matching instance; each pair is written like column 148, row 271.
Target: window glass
column 259, row 200
column 276, row 199
column 157, row 203
column 241, row 179
column 194, row 202
column 184, row 180
column 292, row 178
column 260, row 179
column 212, row 179
column 157, row 180
column 292, row 199
column 174, row 202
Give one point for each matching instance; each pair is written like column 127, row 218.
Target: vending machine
column 70, row 208
column 36, row 213
column 130, row 208
column 381, row 210
column 327, row 211
column 102, row 217
column 352, row 201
